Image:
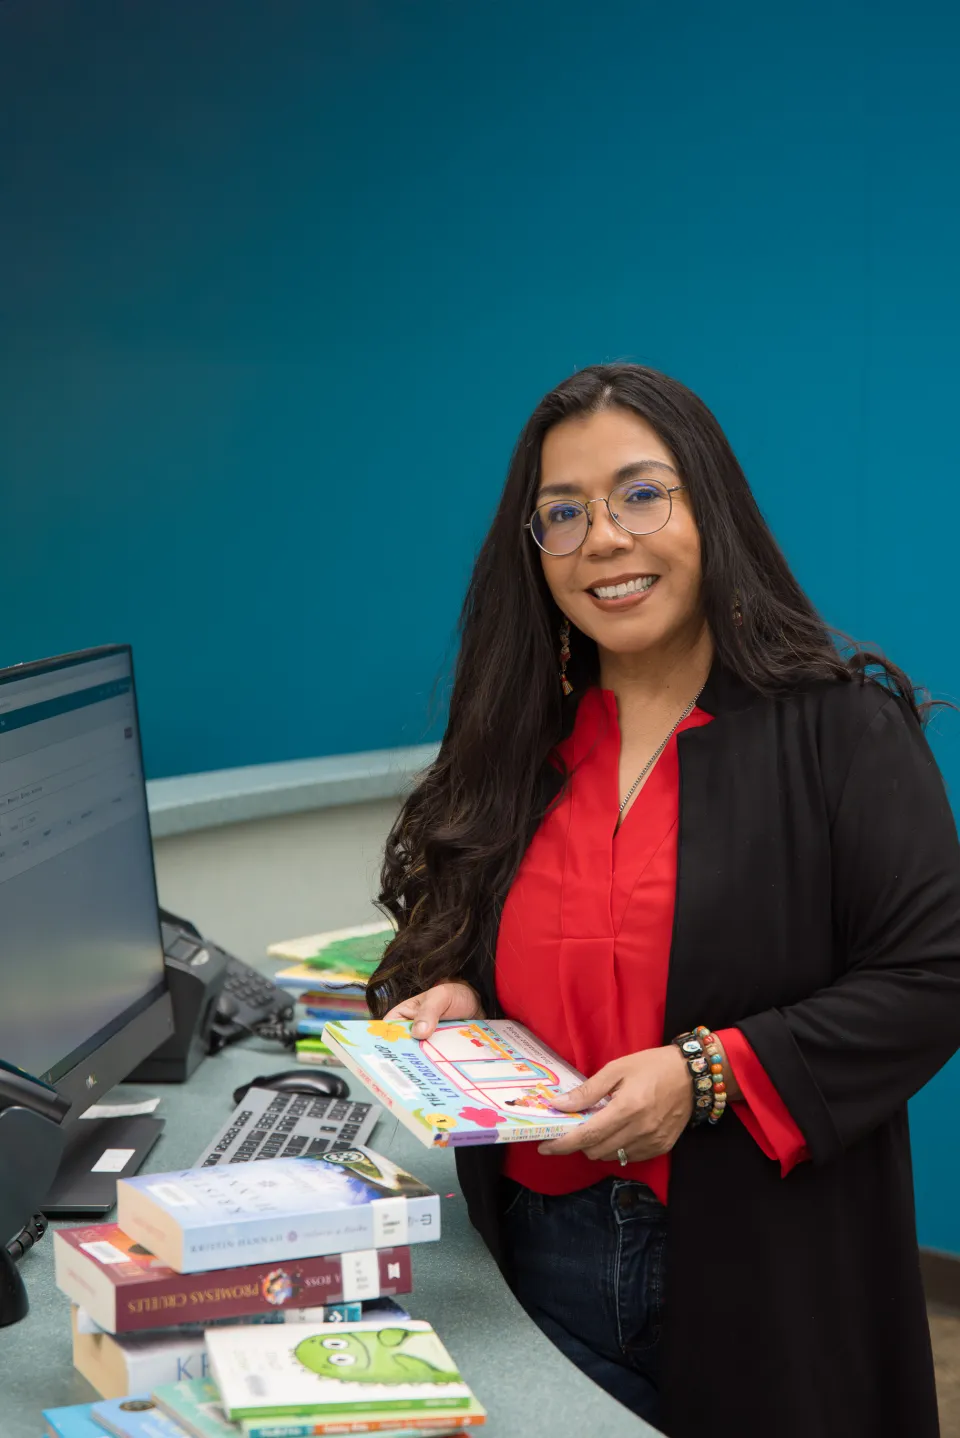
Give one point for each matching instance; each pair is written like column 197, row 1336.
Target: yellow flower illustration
column 390, row 1032
column 443, row 1121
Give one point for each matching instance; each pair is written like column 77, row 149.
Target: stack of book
column 258, row 1301
column 328, row 979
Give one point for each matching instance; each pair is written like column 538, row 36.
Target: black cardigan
column 818, row 910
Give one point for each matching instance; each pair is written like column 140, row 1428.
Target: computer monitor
column 83, row 997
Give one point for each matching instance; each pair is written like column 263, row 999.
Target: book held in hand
column 277, row 1210
column 364, row 1369
column 125, row 1288
column 477, row 1081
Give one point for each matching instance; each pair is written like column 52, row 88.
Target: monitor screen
column 80, row 948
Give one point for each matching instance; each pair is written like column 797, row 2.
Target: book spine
column 422, row 1423
column 539, row 1134
column 342, row 1231
column 243, row 1292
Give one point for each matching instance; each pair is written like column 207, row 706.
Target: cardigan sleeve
column 848, row 1057
column 762, row 1111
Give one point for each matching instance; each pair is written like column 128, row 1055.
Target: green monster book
column 196, row 1407
column 318, row 1371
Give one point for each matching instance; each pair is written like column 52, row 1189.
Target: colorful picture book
column 367, row 1369
column 277, row 1210
column 125, row 1288
column 197, row 1408
column 478, row 1081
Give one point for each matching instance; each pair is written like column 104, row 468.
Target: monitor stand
column 98, row 1152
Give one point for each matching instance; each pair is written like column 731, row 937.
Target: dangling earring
column 565, row 684
column 737, row 611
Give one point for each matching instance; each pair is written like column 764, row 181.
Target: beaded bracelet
column 715, row 1059
column 691, row 1046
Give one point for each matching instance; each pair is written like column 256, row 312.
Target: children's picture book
column 352, row 953
column 364, row 1368
column 197, row 1408
column 125, row 1288
column 277, row 1210
column 136, row 1416
column 75, row 1421
column 478, row 1081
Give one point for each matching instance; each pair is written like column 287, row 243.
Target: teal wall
column 269, row 266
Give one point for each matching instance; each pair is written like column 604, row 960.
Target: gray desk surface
column 526, row 1385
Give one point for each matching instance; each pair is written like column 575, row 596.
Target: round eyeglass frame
column 669, row 490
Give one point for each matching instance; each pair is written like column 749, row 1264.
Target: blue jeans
column 588, row 1267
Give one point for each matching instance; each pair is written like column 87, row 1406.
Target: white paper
column 105, row 1252
column 390, row 1222
column 361, row 1273
column 112, row 1160
column 121, row 1110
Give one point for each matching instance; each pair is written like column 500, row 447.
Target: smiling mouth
column 630, row 586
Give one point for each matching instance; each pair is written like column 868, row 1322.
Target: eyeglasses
column 640, row 506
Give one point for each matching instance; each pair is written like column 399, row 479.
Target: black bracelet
column 699, row 1066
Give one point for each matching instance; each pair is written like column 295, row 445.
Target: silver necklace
column 656, row 754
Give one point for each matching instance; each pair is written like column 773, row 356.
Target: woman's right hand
column 455, row 1000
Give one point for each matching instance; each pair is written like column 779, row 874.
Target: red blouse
column 584, row 944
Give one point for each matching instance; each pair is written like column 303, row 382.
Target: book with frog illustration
column 197, row 1408
column 476, row 1081
column 359, row 1368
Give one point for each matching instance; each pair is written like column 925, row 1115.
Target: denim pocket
column 640, row 1287
column 511, row 1197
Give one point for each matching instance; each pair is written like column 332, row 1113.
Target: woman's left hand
column 651, row 1100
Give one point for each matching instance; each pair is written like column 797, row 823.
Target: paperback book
column 74, row 1421
column 197, row 1408
column 312, row 1050
column 368, row 1369
column 473, row 1082
column 136, row 1416
column 354, row 952
column 277, row 1210
column 300, row 979
column 327, row 1313
column 122, row 1363
column 125, row 1288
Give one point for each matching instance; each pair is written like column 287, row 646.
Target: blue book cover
column 77, row 1421
column 136, row 1416
column 277, row 1209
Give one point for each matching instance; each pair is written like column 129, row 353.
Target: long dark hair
column 461, row 834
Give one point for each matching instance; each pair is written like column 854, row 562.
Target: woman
column 723, row 827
